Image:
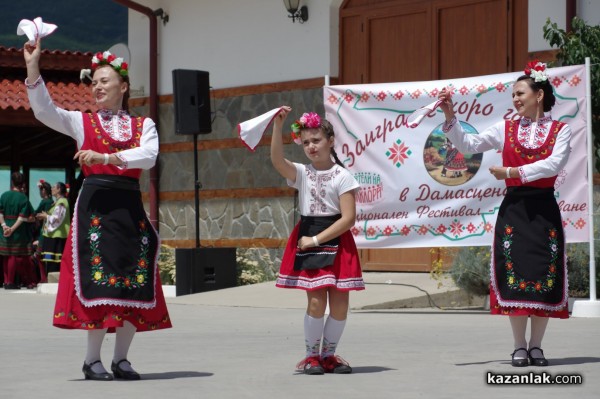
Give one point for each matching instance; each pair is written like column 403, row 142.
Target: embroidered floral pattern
column 318, row 182
column 538, row 137
column 517, row 283
column 98, row 275
column 121, row 138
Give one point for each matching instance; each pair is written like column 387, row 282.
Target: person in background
column 16, row 239
column 44, row 206
column 56, row 229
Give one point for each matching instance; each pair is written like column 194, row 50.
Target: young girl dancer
column 321, row 256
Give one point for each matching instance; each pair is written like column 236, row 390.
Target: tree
column 573, row 47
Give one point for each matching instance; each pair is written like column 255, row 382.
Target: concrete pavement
column 244, row 343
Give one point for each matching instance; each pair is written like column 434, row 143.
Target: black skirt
column 529, row 267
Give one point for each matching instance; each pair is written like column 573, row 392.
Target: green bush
column 254, row 265
column 578, row 265
column 470, row 270
column 166, row 265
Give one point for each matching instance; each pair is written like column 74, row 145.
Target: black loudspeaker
column 204, row 269
column 191, row 95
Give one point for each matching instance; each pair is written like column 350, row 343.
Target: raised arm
column 32, row 60
column 282, row 165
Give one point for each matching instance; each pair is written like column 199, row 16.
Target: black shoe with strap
column 123, row 374
column 537, row 361
column 92, row 375
column 519, row 362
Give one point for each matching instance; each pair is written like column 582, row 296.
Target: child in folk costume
column 321, row 256
column 528, row 269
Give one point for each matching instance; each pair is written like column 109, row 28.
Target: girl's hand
column 305, row 242
column 278, row 122
column 88, row 157
column 32, row 53
column 446, row 105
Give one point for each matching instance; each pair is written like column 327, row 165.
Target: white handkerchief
column 416, row 117
column 34, row 29
column 251, row 131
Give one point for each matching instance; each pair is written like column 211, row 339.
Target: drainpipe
column 571, row 13
column 153, row 98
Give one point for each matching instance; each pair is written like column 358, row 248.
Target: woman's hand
column 278, row 122
column 32, row 53
column 88, row 157
column 41, row 216
column 499, row 172
column 446, row 105
column 7, row 231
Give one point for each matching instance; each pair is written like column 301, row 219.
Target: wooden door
column 413, row 40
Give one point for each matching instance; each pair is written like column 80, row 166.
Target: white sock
column 519, row 326
column 124, row 336
column 94, row 344
column 331, row 335
column 313, row 331
column 538, row 328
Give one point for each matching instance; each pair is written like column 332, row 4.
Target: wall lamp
column 159, row 12
column 300, row 14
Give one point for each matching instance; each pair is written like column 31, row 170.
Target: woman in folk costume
column 109, row 279
column 528, row 269
column 56, row 229
column 321, row 256
column 16, row 239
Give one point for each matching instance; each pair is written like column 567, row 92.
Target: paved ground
column 245, row 345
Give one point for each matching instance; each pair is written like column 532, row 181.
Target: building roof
column 60, row 70
column 23, row 139
column 69, row 96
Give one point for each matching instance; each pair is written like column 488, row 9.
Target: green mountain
column 83, row 25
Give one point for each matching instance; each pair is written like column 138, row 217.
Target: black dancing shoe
column 10, row 286
column 91, row 375
column 519, row 362
column 123, row 374
column 537, row 361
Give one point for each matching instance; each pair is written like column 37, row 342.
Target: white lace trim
column 286, row 281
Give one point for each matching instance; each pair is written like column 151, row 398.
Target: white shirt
column 320, row 190
column 531, row 135
column 71, row 124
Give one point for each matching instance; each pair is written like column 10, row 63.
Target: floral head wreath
column 308, row 120
column 39, row 184
column 536, row 70
column 106, row 58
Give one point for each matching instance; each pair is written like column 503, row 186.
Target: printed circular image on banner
column 444, row 163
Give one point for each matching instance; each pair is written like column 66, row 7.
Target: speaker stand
column 197, row 187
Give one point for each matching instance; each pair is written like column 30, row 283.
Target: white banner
column 412, row 193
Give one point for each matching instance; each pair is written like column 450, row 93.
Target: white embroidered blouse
column 531, row 135
column 117, row 126
column 320, row 190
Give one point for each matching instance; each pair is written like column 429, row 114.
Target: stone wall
column 230, row 168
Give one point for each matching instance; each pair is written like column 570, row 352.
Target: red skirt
column 495, row 308
column 344, row 274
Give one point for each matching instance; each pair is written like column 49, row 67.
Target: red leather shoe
column 311, row 366
column 335, row 364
